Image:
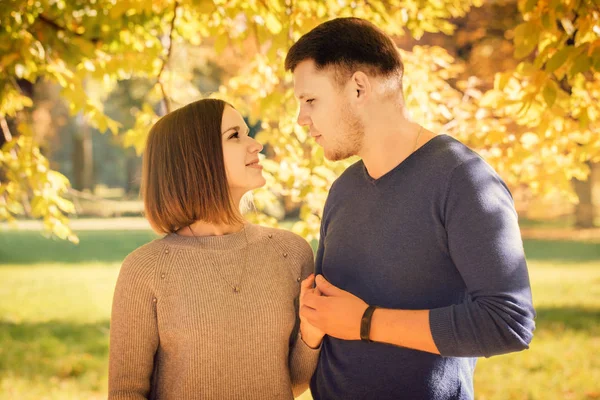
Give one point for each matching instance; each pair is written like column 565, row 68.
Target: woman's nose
column 255, row 146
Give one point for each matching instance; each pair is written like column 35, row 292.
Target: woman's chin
column 262, row 182
column 256, row 183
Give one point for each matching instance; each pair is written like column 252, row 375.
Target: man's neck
column 386, row 148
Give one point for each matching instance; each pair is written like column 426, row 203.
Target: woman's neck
column 202, row 228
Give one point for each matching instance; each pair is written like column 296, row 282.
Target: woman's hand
column 311, row 335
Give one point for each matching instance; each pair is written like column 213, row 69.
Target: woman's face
column 240, row 153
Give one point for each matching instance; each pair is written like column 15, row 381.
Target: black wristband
column 365, row 324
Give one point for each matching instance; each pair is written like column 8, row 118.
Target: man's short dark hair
column 347, row 45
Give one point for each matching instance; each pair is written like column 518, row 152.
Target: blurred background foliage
column 82, row 81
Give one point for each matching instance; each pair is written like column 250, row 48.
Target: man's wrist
column 365, row 324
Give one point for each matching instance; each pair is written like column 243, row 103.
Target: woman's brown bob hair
column 183, row 172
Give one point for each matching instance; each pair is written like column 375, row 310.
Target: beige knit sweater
column 179, row 330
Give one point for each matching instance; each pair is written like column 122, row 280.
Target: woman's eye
column 236, row 135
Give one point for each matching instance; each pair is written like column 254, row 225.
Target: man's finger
column 327, row 288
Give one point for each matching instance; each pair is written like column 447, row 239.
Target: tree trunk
column 132, row 183
column 82, row 156
column 584, row 210
column 5, row 136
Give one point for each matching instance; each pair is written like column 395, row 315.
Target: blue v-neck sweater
column 437, row 232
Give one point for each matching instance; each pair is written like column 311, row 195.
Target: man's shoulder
column 443, row 157
column 460, row 157
column 463, row 172
column 448, row 152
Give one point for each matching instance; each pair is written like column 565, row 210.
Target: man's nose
column 303, row 119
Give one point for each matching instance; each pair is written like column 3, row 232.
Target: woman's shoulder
column 285, row 238
column 145, row 255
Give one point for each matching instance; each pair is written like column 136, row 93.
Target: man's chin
column 335, row 155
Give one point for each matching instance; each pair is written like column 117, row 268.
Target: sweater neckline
column 232, row 241
column 402, row 164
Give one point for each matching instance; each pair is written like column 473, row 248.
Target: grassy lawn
column 55, row 310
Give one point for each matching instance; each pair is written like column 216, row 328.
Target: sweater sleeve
column 484, row 242
column 133, row 331
column 303, row 359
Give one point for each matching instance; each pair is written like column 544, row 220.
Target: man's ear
column 361, row 86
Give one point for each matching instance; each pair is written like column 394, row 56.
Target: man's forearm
column 405, row 328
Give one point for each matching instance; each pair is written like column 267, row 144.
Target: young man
column 421, row 228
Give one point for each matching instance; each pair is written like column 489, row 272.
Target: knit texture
column 180, row 331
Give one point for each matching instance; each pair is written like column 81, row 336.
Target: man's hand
column 336, row 312
column 311, row 335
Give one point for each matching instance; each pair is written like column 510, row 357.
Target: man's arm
column 339, row 312
column 406, row 328
column 484, row 241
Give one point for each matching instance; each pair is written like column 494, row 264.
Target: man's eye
column 236, row 135
column 309, row 101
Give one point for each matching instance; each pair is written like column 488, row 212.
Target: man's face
column 325, row 109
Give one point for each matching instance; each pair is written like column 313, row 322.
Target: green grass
column 105, row 246
column 561, row 252
column 54, row 322
column 55, row 309
column 560, row 363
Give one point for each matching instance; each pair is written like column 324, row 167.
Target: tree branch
column 265, row 5
column 5, row 129
column 256, row 40
column 167, row 58
column 57, row 27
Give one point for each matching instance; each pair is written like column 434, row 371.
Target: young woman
column 210, row 310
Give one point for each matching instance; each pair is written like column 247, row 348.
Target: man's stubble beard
column 351, row 136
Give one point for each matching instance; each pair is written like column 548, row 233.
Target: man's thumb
column 325, row 287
